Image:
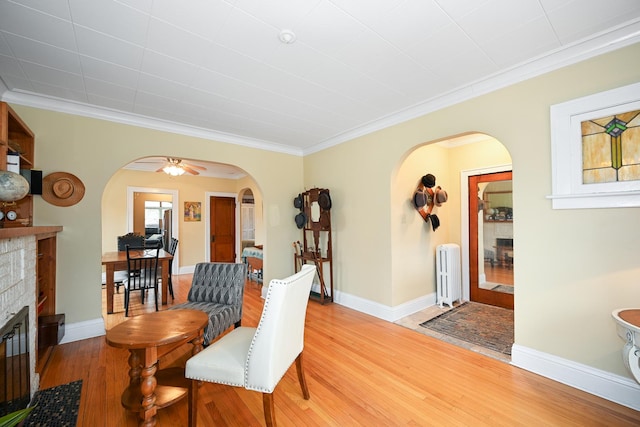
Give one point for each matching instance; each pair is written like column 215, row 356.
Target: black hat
column 324, row 200
column 301, row 220
column 297, row 202
column 428, row 180
column 435, row 221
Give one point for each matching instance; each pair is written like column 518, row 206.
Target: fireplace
column 15, row 392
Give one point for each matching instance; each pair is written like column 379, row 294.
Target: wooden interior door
column 480, row 292
column 222, row 220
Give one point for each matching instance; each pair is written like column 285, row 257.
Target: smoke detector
column 287, row 36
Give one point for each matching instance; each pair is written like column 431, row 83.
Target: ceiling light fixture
column 287, row 36
column 173, row 170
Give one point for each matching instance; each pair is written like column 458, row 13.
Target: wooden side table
column 148, row 337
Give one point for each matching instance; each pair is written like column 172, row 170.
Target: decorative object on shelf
column 425, row 198
column 13, row 186
column 62, row 189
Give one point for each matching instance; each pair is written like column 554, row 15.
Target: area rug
column 56, row 407
column 479, row 324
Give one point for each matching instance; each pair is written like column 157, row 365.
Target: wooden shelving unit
column 317, row 246
column 15, row 136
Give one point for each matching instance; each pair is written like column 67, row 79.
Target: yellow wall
column 574, row 266
column 95, row 150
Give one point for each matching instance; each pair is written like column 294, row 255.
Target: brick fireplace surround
column 18, row 282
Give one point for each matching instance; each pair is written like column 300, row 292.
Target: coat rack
column 316, row 247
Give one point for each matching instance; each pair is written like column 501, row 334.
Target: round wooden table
column 148, row 337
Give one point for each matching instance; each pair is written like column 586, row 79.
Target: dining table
column 117, row 260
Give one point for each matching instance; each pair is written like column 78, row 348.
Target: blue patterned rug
column 479, row 324
column 56, row 407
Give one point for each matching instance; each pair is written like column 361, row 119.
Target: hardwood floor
column 361, row 371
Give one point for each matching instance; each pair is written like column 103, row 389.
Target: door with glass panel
column 491, row 246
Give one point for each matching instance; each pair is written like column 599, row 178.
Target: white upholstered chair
column 257, row 358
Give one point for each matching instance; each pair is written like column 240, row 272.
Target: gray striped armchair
column 218, row 290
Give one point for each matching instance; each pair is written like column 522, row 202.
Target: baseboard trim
column 381, row 311
column 83, row 330
column 612, row 387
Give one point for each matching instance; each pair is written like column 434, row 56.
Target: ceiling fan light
column 173, row 170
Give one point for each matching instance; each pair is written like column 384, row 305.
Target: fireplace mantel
column 10, row 233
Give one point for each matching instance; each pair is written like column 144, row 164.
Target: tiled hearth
column 17, row 288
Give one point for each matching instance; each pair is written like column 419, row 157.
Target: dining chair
column 173, row 247
column 142, row 274
column 258, row 358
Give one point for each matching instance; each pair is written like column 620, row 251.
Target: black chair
column 173, row 247
column 142, row 274
column 136, row 241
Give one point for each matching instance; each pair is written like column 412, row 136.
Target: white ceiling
column 216, row 68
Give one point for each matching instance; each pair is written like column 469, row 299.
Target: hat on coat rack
column 62, row 189
column 297, row 202
column 301, row 220
column 420, row 198
column 324, row 200
column 440, row 196
column 428, row 180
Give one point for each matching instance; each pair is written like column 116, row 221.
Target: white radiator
column 448, row 274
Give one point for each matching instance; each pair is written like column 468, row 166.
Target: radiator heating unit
column 448, row 274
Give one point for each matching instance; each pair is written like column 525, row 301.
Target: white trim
column 381, row 311
column 569, row 192
column 606, row 385
column 175, row 231
column 464, row 216
column 83, row 330
column 207, row 224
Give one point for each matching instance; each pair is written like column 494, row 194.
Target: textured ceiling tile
column 112, row 18
column 109, row 49
column 45, row 55
column 35, row 25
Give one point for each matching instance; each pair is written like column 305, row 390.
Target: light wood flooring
column 361, row 371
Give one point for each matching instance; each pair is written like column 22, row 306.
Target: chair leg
column 301, row 377
column 155, row 295
column 269, row 409
column 193, row 403
column 170, row 286
column 126, row 303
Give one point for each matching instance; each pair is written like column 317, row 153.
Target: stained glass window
column 611, row 148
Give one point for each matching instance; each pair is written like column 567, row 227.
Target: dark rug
column 56, row 407
column 479, row 324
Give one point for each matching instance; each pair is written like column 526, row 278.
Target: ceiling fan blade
column 191, row 171
column 202, row 168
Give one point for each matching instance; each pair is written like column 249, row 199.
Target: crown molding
column 80, row 109
column 601, row 43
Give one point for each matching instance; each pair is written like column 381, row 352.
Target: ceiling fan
column 176, row 167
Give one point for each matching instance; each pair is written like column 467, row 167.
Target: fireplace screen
column 15, row 393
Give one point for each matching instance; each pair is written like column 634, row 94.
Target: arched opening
column 184, row 199
column 452, row 162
